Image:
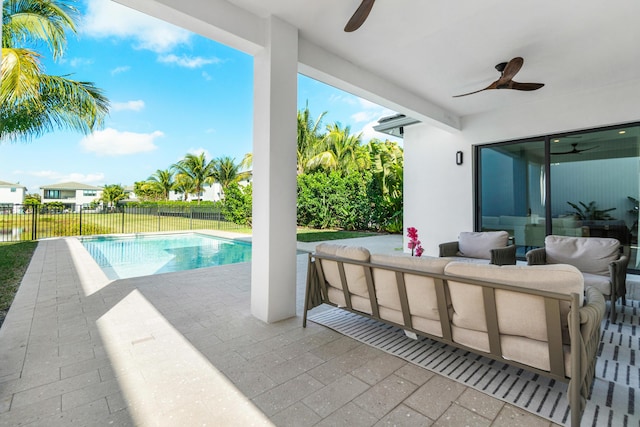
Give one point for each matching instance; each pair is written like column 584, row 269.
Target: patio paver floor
column 183, row 349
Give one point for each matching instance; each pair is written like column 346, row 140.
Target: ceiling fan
column 359, row 16
column 575, row 150
column 507, row 71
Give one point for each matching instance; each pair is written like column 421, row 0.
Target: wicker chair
column 600, row 260
column 490, row 245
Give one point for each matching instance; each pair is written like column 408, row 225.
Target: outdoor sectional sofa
column 533, row 317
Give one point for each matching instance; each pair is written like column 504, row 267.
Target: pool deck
column 182, row 349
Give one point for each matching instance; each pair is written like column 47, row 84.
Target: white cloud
column 186, row 61
column 198, row 151
column 365, row 116
column 105, row 18
column 129, row 105
column 119, row 70
column 80, row 62
column 206, row 76
column 111, row 142
column 56, row 176
column 343, row 98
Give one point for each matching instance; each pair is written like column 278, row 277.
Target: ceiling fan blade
column 526, row 86
column 493, row 85
column 512, row 68
column 359, row 16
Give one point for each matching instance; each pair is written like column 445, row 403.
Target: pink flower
column 412, row 233
column 414, row 244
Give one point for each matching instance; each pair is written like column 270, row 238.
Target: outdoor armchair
column 600, row 260
column 491, row 245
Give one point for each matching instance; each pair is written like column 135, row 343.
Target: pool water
column 142, row 255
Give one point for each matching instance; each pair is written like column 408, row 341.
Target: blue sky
column 172, row 92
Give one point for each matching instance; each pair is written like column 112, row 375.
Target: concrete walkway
column 182, row 349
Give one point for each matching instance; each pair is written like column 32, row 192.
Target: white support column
column 273, row 272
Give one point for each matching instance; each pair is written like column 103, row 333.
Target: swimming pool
column 123, row 257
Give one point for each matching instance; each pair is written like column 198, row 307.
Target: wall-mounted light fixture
column 458, row 157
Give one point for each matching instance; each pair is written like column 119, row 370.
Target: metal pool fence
column 22, row 222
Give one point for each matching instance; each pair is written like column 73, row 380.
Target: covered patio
column 79, row 350
column 414, row 57
column 182, row 349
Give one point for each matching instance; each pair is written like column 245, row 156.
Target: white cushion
column 588, row 254
column 479, row 244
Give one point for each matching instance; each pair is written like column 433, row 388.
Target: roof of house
column 10, row 184
column 70, row 186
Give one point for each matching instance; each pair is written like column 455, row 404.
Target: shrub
column 237, row 204
column 333, row 201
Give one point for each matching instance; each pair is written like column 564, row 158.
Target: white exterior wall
column 12, row 197
column 16, row 197
column 81, row 199
column 438, row 194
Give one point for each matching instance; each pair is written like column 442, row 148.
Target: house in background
column 11, row 197
column 73, row 195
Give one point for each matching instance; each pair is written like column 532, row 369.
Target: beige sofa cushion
column 355, row 275
column 518, row 314
column 601, row 283
column 479, row 244
column 421, row 292
column 589, row 254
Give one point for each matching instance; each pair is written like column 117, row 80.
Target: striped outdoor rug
column 613, row 398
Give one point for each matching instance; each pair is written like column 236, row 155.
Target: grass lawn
column 315, row 235
column 14, row 260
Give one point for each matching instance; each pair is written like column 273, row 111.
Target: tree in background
column 237, row 205
column 32, row 102
column 308, row 138
column 184, row 185
column 31, row 200
column 196, row 168
column 162, row 181
column 146, row 191
column 345, row 184
column 226, row 171
column 338, row 150
column 112, row 194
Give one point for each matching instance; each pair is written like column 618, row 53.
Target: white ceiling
column 440, row 48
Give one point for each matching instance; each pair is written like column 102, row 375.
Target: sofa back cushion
column 421, row 292
column 479, row 244
column 518, row 313
column 588, row 254
column 355, row 275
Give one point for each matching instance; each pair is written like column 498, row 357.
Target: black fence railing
column 23, row 222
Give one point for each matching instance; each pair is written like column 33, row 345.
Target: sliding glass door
column 580, row 184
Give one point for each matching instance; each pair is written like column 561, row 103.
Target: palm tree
column 226, row 171
column 339, row 151
column 387, row 166
column 309, row 138
column 112, row 194
column 32, row 102
column 184, row 185
column 163, row 181
column 196, row 168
